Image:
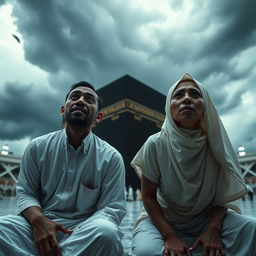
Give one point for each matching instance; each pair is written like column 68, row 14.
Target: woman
column 190, row 177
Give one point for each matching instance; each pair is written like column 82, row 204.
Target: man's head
column 82, row 105
column 85, row 84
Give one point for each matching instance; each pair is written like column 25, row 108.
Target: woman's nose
column 186, row 98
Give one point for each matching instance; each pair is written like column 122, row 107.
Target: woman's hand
column 211, row 242
column 173, row 246
column 210, row 238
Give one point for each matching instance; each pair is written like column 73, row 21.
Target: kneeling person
column 70, row 189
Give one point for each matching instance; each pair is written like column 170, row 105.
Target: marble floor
column 8, row 206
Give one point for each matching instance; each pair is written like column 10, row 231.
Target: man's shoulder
column 46, row 138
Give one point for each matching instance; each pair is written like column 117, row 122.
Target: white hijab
column 202, row 162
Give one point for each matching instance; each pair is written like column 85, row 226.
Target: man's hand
column 44, row 233
column 211, row 242
column 173, row 246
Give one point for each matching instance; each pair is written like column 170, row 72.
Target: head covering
column 194, row 169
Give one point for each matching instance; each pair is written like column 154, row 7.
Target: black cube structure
column 132, row 112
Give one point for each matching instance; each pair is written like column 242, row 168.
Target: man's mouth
column 76, row 109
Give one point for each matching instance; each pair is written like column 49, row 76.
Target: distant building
column 248, row 166
column 132, row 112
column 9, row 170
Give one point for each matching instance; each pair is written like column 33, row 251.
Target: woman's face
column 187, row 105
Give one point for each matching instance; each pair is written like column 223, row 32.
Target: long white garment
column 95, row 236
column 194, row 169
column 82, row 189
column 238, row 235
column 69, row 183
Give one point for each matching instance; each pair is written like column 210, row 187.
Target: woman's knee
column 147, row 249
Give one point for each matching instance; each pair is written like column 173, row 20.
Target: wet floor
column 8, row 206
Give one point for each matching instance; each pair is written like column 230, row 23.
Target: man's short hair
column 85, row 84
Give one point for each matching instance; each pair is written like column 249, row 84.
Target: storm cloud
column 24, row 111
column 100, row 41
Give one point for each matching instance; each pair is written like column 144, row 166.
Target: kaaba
column 132, row 112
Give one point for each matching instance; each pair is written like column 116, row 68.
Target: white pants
column 238, row 235
column 93, row 237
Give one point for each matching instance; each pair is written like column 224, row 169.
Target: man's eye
column 74, row 97
column 90, row 100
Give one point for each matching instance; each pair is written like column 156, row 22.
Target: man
column 70, row 189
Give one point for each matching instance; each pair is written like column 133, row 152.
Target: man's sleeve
column 111, row 204
column 28, row 183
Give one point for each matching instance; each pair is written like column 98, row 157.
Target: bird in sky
column 16, row 37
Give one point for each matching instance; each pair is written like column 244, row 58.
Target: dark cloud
column 234, row 26
column 99, row 41
column 27, row 112
column 237, row 27
column 58, row 36
column 247, row 138
column 99, row 37
column 92, row 41
column 84, row 39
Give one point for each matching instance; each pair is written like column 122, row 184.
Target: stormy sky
column 156, row 42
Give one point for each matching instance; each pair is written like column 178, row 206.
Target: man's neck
column 76, row 134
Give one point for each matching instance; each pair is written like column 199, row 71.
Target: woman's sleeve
column 151, row 168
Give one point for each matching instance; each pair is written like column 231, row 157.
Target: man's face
column 187, row 105
column 81, row 107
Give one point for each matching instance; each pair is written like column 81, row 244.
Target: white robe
column 81, row 189
column 194, row 170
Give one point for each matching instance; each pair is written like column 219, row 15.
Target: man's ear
column 62, row 110
column 99, row 117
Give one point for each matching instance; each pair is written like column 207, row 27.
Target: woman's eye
column 177, row 95
column 196, row 95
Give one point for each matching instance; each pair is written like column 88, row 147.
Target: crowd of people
column 132, row 194
column 71, row 187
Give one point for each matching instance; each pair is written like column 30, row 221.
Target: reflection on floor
column 133, row 211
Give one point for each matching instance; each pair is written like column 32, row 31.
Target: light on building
column 6, row 147
column 5, row 150
column 241, row 151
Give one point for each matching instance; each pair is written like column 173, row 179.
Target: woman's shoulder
column 153, row 138
column 156, row 139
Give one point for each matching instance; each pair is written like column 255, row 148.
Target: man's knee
column 6, row 226
column 107, row 230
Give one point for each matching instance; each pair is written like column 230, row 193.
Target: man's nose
column 81, row 101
